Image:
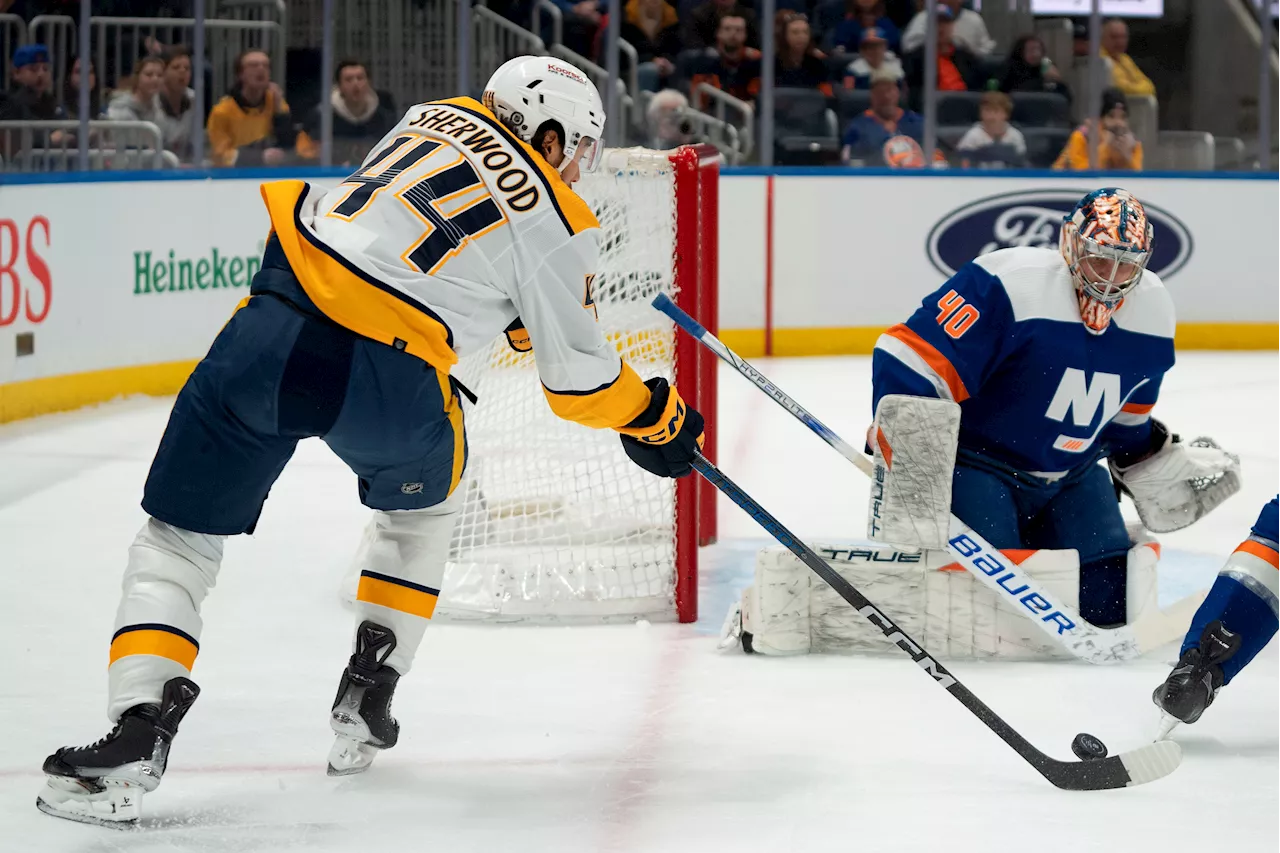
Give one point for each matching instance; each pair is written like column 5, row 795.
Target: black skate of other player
column 1197, row 678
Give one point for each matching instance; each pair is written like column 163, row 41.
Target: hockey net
column 557, row 523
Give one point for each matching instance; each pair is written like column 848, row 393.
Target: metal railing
column 552, row 11
column 411, row 48
column 721, row 102
column 13, row 32
column 52, row 146
column 118, row 42
column 58, row 33
column 497, row 39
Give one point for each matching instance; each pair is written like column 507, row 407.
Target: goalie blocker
column 789, row 611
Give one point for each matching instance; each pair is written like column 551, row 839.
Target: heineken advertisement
column 102, row 277
column 157, row 272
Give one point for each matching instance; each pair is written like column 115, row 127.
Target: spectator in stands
column 734, row 67
column 703, row 26
column 1117, row 148
column 867, row 135
column 970, row 30
column 71, row 93
column 30, row 98
column 1029, row 69
column 582, row 19
column 140, row 101
column 669, row 125
column 250, row 126
column 177, row 102
column 959, row 69
column 797, row 63
column 1125, row 73
column 860, row 16
column 993, row 142
column 652, row 28
column 70, row 106
column 360, row 117
column 873, row 56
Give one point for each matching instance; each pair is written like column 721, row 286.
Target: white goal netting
column 557, row 523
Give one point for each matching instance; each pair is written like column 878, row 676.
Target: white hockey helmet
column 530, row 90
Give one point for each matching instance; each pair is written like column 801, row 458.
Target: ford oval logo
column 1032, row 218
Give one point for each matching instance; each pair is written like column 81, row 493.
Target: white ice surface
column 625, row 738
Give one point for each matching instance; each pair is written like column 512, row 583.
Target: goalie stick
column 1061, row 623
column 1095, row 773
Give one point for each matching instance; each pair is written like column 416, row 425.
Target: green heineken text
column 216, row 272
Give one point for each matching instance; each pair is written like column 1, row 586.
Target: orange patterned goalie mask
column 1106, row 241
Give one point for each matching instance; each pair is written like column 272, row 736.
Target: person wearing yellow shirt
column 250, row 126
column 1125, row 73
column 1117, row 149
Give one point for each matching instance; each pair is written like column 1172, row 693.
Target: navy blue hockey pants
column 1011, row 509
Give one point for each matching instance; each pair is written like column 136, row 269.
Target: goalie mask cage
column 556, row 523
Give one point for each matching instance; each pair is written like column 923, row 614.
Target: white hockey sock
column 401, row 572
column 157, row 628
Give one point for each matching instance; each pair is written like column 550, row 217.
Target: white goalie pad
column 790, row 611
column 1181, row 483
column 913, row 443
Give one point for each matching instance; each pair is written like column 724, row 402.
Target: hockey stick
column 1061, row 623
column 1094, row 773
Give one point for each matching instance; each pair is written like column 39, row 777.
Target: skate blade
column 1167, row 724
column 114, row 804
column 349, row 757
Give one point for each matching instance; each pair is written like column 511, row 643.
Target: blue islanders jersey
column 1037, row 391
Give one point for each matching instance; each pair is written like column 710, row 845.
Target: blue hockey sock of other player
column 1244, row 597
column 1102, row 590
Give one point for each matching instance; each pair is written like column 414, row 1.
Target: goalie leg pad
column 913, row 442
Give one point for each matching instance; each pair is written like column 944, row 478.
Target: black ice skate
column 103, row 783
column 1196, row 679
column 361, row 714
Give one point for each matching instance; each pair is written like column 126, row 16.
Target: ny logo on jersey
column 1080, row 398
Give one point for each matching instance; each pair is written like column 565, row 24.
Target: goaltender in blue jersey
column 459, row 225
column 1056, row 361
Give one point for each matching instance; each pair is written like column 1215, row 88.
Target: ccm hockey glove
column 663, row 438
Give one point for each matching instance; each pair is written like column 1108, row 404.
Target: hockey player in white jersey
column 1051, row 367
column 460, row 224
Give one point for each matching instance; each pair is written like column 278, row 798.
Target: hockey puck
column 1088, row 748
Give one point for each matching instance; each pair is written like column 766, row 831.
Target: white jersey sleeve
column 449, row 232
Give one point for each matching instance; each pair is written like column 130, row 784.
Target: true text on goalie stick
column 1136, row 767
column 1061, row 623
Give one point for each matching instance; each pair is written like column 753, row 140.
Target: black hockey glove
column 663, row 438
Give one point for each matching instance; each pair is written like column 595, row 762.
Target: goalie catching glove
column 1178, row 483
column 664, row 437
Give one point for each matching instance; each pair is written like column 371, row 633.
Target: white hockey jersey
column 450, row 232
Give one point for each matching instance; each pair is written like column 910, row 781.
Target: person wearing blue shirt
column 865, row 138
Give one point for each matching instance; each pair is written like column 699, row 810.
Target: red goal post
column 556, row 524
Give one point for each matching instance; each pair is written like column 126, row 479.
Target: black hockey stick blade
column 1136, row 767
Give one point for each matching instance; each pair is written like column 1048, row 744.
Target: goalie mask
column 1106, row 241
column 528, row 91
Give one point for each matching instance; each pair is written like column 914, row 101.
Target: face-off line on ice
column 354, row 341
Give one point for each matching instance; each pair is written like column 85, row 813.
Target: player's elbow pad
column 665, row 436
